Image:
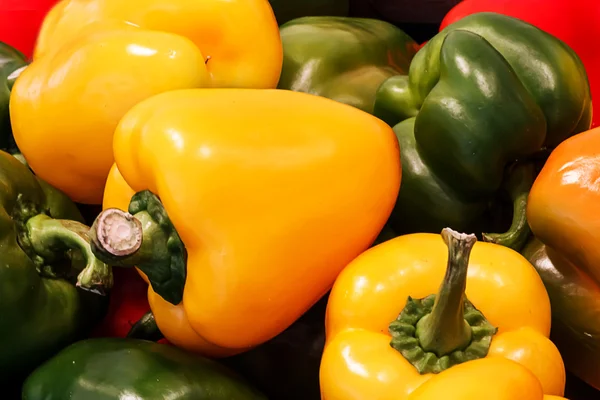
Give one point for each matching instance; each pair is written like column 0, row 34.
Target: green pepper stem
column 518, row 185
column 445, row 329
column 145, row 238
column 439, row 331
column 50, row 237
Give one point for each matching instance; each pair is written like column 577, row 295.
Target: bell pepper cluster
column 250, row 199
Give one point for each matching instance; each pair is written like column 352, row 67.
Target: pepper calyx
column 144, row 238
column 444, row 329
column 404, row 340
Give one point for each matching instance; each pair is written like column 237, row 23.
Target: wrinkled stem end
column 51, row 239
column 443, row 330
column 517, row 185
column 146, row 238
column 115, row 235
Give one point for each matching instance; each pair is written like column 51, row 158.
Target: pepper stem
column 51, row 238
column 439, row 331
column 445, row 329
column 146, row 238
column 518, row 185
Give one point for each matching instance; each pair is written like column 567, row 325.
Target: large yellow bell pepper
column 493, row 345
column 95, row 59
column 269, row 194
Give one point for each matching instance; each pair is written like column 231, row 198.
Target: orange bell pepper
column 562, row 211
column 488, row 342
column 247, row 205
column 95, row 59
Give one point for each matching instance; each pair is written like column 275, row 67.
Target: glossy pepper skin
column 573, row 22
column 283, row 368
column 302, row 164
column 485, row 92
column 286, row 10
column 42, row 309
column 427, row 347
column 11, row 61
column 344, row 59
column 562, row 207
column 103, row 369
column 96, row 59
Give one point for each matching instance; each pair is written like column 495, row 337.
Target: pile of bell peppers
column 245, row 199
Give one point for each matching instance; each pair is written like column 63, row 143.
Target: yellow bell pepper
column 490, row 343
column 95, row 59
column 269, row 194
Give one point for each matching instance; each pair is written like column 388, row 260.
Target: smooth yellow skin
column 359, row 364
column 262, row 187
column 95, row 59
column 487, row 378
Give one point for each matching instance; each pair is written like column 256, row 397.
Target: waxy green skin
column 344, row 59
column 10, row 61
column 115, row 368
column 485, row 92
column 38, row 315
column 575, row 301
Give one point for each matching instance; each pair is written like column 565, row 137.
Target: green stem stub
column 144, row 237
column 439, row 331
column 517, row 185
column 52, row 242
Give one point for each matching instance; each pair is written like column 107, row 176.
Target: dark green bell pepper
column 115, row 368
column 286, row 10
column 11, row 61
column 43, row 262
column 487, row 91
column 344, row 59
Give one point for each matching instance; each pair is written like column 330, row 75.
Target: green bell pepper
column 11, row 61
column 41, row 307
column 483, row 93
column 286, row 10
column 344, row 59
column 115, row 368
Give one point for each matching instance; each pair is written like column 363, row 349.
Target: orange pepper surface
column 272, row 193
column 491, row 343
column 564, row 202
column 562, row 211
column 95, row 59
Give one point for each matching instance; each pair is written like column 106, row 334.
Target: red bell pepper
column 128, row 303
column 20, row 22
column 575, row 22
